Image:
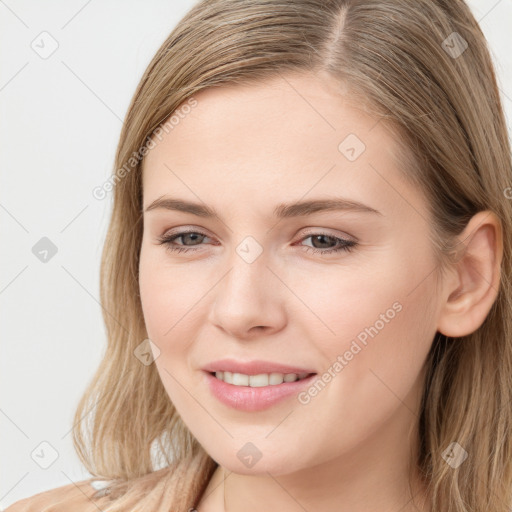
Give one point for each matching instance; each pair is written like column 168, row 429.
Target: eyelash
column 346, row 245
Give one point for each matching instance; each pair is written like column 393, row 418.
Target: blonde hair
column 446, row 113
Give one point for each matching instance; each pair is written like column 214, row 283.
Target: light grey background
column 60, row 120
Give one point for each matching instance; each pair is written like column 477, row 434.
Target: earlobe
column 473, row 285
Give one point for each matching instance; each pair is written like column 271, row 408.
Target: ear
column 472, row 286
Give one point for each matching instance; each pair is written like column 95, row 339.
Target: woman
column 251, row 367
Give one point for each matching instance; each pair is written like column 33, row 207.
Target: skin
column 243, row 150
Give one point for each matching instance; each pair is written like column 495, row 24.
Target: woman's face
column 249, row 285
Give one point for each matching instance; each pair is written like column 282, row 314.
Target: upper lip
column 253, row 367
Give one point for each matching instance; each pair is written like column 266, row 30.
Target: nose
column 248, row 300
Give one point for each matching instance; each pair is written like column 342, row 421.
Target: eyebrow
column 281, row 211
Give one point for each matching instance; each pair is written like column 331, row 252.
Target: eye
column 341, row 244
column 185, row 236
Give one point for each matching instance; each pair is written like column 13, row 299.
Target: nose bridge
column 248, row 274
column 245, row 297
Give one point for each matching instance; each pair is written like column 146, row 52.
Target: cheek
column 157, row 302
column 374, row 371
column 168, row 295
column 167, row 299
column 375, row 335
column 386, row 304
column 392, row 326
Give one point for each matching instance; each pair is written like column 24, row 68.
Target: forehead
column 277, row 140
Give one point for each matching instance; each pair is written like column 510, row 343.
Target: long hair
column 424, row 68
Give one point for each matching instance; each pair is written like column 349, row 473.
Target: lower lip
column 246, row 398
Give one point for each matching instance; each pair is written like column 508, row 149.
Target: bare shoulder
column 76, row 496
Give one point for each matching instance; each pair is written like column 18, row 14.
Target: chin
column 276, row 464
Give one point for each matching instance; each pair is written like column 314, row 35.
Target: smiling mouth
column 260, row 380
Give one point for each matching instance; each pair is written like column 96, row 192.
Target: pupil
column 321, row 237
column 191, row 235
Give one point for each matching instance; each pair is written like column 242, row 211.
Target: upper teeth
column 255, row 381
